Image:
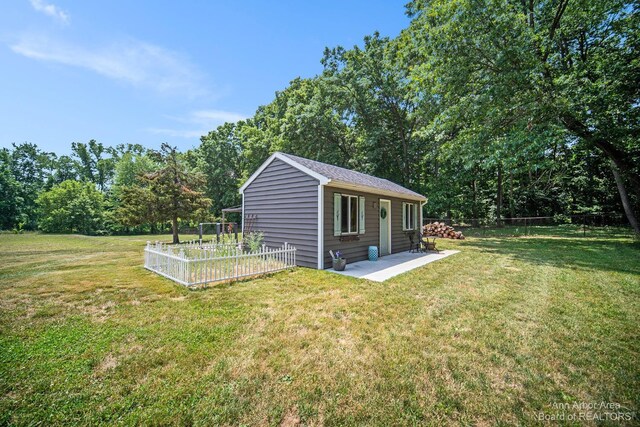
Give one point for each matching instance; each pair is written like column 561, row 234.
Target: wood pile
column 440, row 229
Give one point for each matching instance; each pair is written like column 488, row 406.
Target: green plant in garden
column 254, row 240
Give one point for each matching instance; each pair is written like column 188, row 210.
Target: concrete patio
column 391, row 265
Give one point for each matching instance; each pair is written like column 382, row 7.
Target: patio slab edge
column 367, row 269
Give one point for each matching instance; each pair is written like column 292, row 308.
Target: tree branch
column 562, row 6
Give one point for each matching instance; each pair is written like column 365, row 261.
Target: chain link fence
column 586, row 225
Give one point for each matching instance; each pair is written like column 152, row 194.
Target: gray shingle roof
column 352, row 177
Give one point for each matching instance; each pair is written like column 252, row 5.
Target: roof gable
column 277, row 155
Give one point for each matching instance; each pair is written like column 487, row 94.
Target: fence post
column 286, row 254
column 182, row 275
column 235, row 230
column 158, row 258
column 235, row 273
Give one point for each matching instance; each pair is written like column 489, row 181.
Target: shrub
column 71, row 207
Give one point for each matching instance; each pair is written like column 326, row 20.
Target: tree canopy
column 71, row 207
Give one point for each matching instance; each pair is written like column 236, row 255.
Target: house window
column 409, row 214
column 349, row 206
column 349, row 214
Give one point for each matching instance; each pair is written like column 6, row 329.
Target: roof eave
column 323, row 180
column 375, row 190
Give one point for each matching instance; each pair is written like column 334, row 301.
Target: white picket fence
column 196, row 264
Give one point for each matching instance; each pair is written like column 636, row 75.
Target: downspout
column 421, row 216
column 242, row 219
column 320, row 226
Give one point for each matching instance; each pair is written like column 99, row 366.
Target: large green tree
column 374, row 97
column 10, row 193
column 64, row 168
column 96, row 162
column 129, row 167
column 31, row 168
column 219, row 159
column 543, row 68
column 71, row 207
column 170, row 193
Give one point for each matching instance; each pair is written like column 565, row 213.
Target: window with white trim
column 349, row 207
column 409, row 216
column 348, row 214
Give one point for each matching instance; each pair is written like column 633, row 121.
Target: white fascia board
column 323, row 180
column 373, row 190
column 257, row 172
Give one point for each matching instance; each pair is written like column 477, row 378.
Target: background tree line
column 99, row 190
column 491, row 109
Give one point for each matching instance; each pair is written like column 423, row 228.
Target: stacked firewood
column 440, row 229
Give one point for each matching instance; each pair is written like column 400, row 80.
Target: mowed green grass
column 493, row 335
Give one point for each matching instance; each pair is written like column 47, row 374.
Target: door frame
column 388, row 219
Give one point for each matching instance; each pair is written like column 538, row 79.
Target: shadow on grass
column 598, row 254
column 229, row 283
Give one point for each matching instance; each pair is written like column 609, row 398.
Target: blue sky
column 156, row 71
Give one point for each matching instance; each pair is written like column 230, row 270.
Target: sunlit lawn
column 494, row 334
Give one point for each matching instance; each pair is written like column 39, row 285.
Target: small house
column 319, row 207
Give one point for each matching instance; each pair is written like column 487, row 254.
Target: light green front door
column 385, row 227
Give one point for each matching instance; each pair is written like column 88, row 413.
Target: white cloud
column 134, row 62
column 51, row 10
column 201, row 122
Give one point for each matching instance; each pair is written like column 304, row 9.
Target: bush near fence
column 197, row 264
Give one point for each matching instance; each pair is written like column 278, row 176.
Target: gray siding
column 285, row 202
column 358, row 250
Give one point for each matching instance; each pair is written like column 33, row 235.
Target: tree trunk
column 474, row 207
column 499, row 198
column 617, row 156
column 512, row 207
column 405, row 163
column 624, row 198
column 174, row 227
column 620, row 165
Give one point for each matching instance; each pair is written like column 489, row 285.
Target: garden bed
column 200, row 263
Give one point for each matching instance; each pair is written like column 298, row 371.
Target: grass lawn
column 493, row 335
